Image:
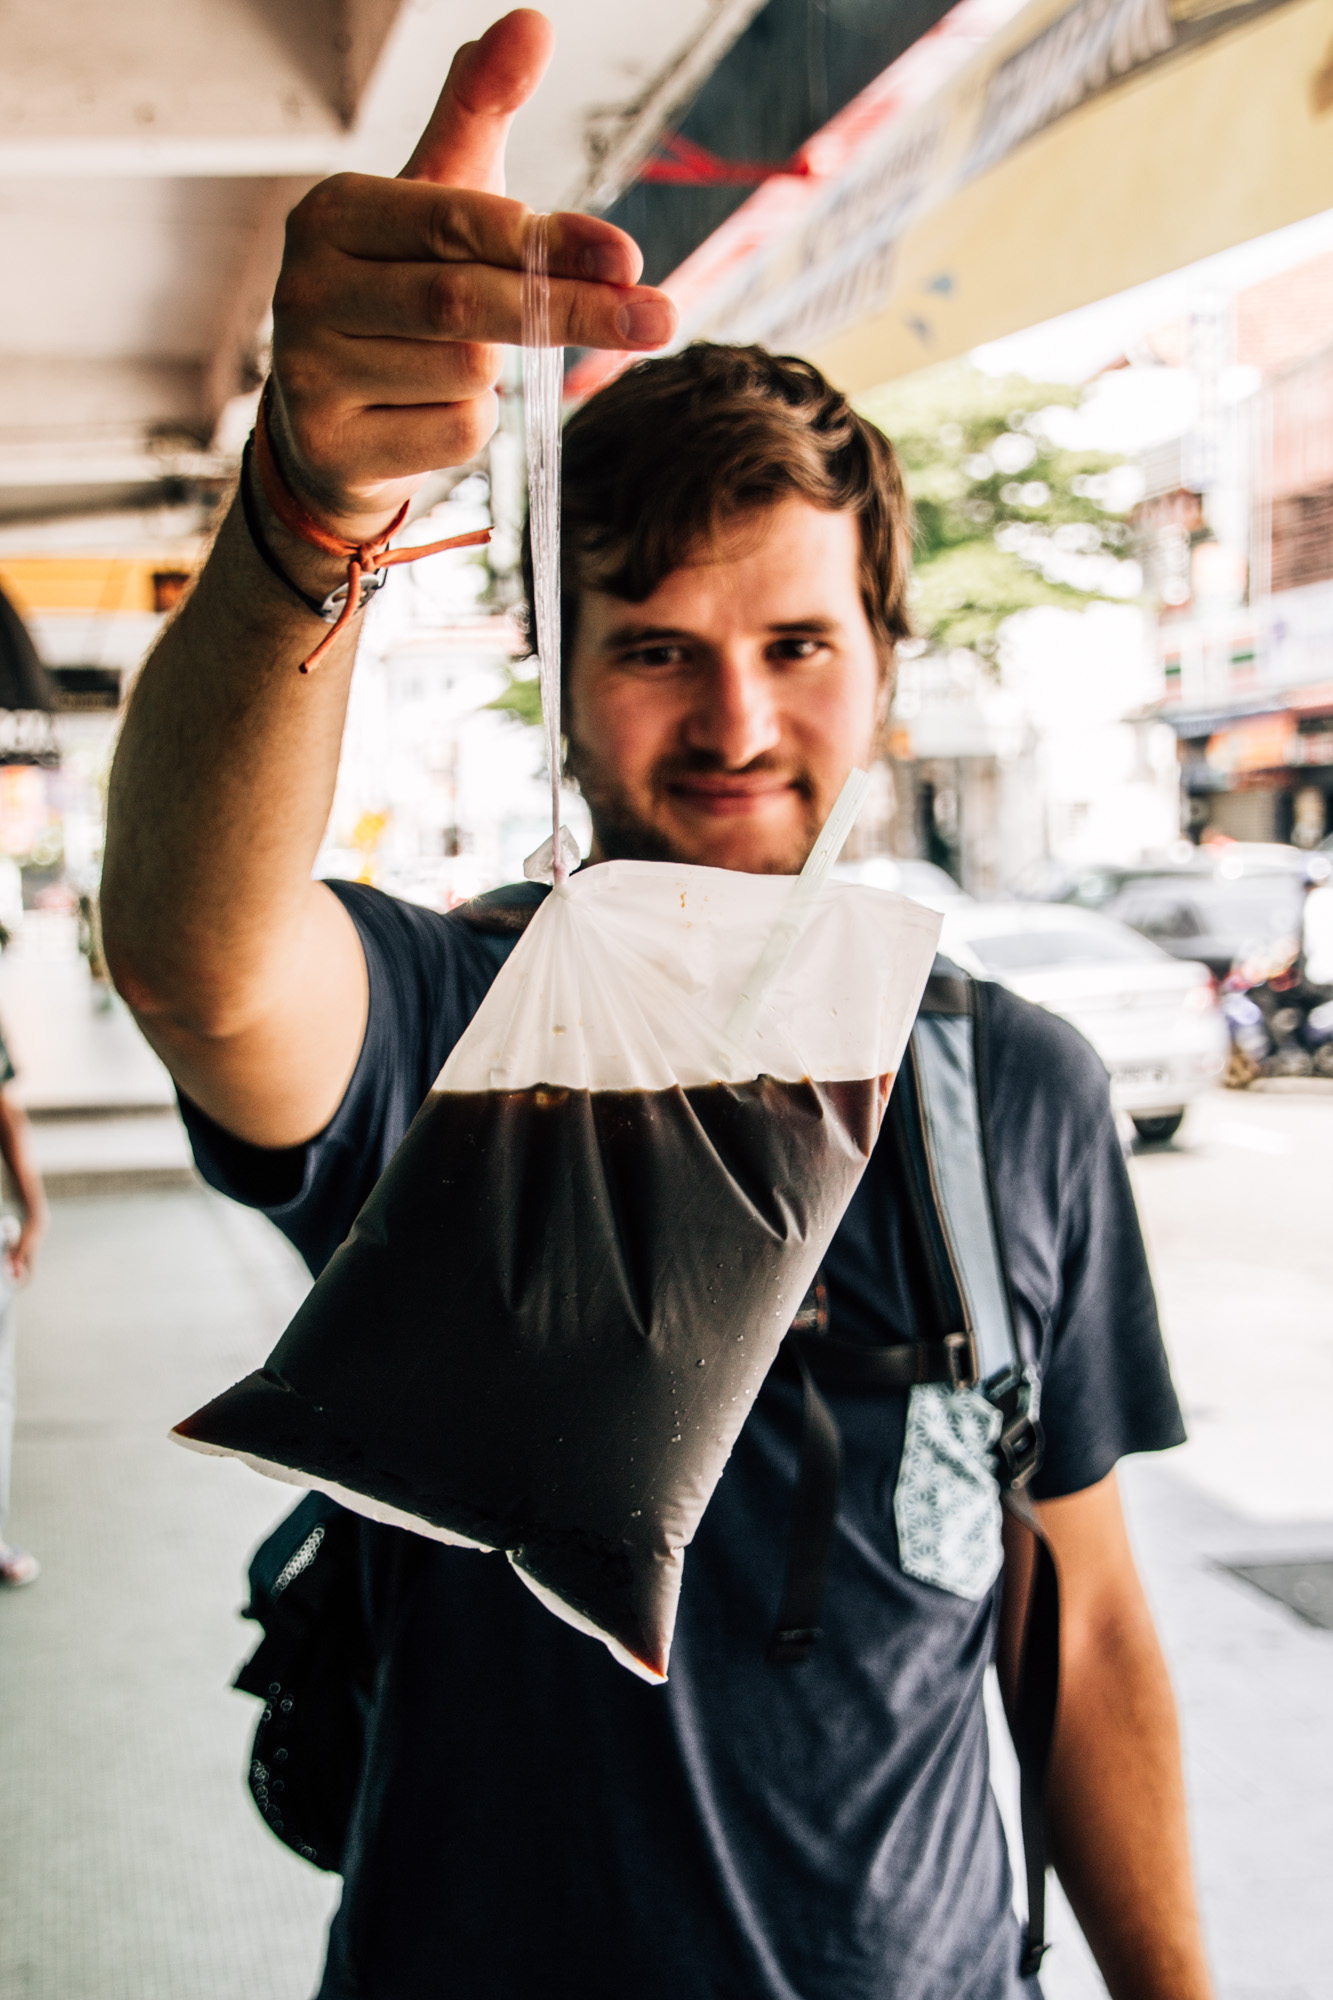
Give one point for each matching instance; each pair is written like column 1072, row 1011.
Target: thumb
column 488, row 81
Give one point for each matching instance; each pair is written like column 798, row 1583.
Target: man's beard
column 622, row 834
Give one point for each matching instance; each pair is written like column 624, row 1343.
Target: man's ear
column 888, row 684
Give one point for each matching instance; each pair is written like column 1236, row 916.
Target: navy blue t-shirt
column 534, row 1822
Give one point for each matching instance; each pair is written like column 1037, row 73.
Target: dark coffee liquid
column 550, row 1320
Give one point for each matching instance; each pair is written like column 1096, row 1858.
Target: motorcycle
column 1282, row 1032
column 1251, row 1043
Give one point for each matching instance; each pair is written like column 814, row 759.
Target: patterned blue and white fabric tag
column 947, row 1502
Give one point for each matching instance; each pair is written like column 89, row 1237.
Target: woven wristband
column 365, row 560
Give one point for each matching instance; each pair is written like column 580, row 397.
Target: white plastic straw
column 543, row 378
column 797, row 907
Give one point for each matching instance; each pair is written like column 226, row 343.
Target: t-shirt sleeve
column 427, row 975
column 1107, row 1387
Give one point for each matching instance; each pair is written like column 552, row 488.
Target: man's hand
column 16, row 1152
column 21, row 1253
column 395, row 295
column 247, row 977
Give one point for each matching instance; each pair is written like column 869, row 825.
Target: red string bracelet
column 367, row 562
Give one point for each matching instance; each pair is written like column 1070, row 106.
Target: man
column 532, row 1820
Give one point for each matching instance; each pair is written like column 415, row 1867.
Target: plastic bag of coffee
column 554, row 1311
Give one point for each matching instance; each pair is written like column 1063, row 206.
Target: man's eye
column 797, row 649
column 654, row 656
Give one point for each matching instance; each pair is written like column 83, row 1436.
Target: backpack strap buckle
column 1017, row 1452
column 790, row 1644
column 960, row 1357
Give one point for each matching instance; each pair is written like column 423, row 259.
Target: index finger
column 415, row 222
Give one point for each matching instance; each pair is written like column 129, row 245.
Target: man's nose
column 735, row 717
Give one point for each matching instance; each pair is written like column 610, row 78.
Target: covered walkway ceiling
column 1019, row 158
column 149, row 150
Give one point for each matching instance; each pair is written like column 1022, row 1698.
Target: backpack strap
column 948, row 1049
column 1032, row 1725
column 943, row 1058
column 815, row 1510
column 937, row 1124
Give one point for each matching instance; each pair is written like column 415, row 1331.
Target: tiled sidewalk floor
column 132, row 1866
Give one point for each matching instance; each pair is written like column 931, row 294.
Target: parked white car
column 1152, row 1019
column 921, row 880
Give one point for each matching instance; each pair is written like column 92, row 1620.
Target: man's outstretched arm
column 1115, row 1793
column 247, row 977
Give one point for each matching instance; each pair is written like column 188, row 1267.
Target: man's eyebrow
column 806, row 625
column 640, row 635
column 643, row 635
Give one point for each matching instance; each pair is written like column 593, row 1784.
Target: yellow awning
column 1221, row 144
column 97, row 583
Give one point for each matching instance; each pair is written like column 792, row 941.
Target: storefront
column 1261, row 775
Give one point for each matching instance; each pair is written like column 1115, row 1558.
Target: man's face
column 717, row 721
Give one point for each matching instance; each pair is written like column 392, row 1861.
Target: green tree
column 522, row 698
column 1005, row 518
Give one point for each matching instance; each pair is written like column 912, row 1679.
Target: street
column 132, row 1866
column 1236, row 1216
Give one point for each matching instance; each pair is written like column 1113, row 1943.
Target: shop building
column 1057, row 755
column 1237, row 533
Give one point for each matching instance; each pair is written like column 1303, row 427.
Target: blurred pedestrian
column 90, row 944
column 1317, row 938
column 22, row 1234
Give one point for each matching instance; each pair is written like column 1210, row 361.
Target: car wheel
column 1241, row 1070
column 1156, row 1131
column 1323, row 1059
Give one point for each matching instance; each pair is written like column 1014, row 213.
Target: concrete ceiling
column 150, row 150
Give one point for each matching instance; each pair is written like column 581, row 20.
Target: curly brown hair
column 677, row 446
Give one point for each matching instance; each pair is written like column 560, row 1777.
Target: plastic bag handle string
column 543, row 379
